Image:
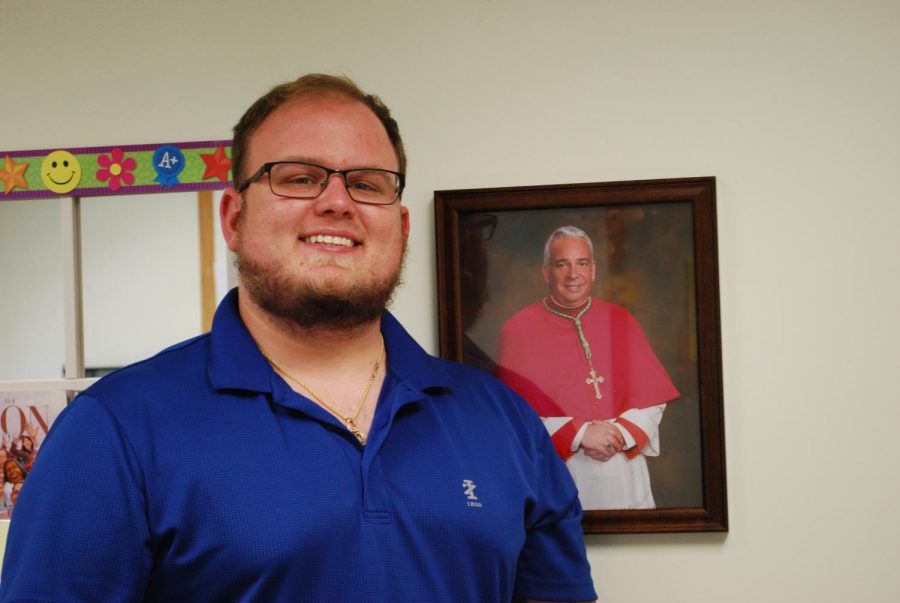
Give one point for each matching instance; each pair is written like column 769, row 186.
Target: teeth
column 329, row 240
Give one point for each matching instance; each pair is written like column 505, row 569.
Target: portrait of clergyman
column 589, row 314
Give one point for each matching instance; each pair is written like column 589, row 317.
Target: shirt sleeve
column 553, row 564
column 79, row 530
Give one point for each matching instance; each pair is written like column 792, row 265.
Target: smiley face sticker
column 61, row 171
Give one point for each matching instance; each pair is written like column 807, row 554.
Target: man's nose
column 335, row 198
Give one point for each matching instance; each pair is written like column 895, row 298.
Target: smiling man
column 306, row 449
column 586, row 366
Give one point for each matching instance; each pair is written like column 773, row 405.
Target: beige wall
column 792, row 105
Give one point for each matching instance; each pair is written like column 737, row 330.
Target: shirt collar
column 408, row 361
column 236, row 363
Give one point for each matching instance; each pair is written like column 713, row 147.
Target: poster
column 25, row 419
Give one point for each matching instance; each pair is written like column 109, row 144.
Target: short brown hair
column 308, row 86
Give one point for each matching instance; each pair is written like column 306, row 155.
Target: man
column 307, row 449
column 586, row 366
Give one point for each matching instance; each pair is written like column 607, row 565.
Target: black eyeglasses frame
column 266, row 168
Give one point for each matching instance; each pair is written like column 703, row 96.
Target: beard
column 311, row 307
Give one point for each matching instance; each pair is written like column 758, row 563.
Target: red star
column 217, row 164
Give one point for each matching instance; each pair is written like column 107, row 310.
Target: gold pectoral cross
column 595, row 380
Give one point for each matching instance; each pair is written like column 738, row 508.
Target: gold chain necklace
column 594, row 380
column 351, row 420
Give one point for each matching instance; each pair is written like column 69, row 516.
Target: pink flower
column 116, row 168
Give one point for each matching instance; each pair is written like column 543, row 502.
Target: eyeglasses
column 299, row 180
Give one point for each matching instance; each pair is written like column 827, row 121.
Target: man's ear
column 404, row 223
column 230, row 207
column 545, row 270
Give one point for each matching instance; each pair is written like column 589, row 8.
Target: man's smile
column 328, row 240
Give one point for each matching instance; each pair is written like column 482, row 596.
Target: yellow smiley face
column 61, row 171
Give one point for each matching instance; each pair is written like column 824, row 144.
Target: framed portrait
column 599, row 304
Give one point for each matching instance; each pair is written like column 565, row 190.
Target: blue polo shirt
column 199, row 475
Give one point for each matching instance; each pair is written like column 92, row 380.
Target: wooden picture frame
column 655, row 248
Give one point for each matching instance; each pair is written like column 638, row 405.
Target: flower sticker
column 116, row 168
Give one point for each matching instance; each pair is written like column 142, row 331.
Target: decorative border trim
column 115, row 170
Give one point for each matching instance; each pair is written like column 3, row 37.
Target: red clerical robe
column 541, row 357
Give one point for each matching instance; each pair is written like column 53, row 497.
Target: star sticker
column 13, row 175
column 217, row 164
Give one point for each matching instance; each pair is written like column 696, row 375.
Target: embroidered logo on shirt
column 469, row 491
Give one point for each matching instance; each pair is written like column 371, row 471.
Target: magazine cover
column 25, row 418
